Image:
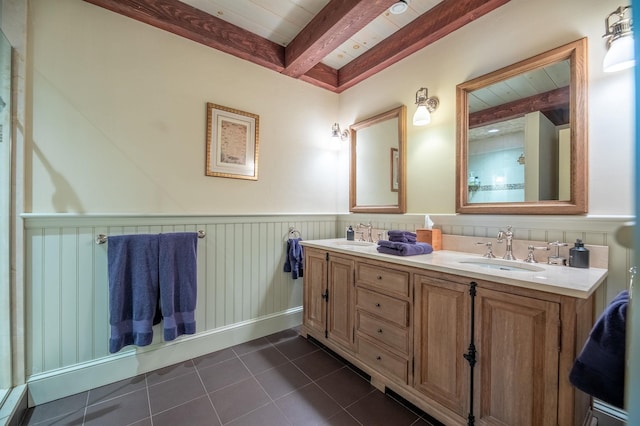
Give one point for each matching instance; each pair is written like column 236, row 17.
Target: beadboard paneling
column 240, row 277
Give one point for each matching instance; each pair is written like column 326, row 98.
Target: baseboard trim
column 78, row 378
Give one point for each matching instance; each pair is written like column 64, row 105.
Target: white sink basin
column 354, row 243
column 502, row 265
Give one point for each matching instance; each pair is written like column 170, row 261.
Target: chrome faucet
column 508, row 234
column 369, row 228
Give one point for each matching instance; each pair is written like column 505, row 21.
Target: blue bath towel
column 403, row 249
column 178, row 283
column 402, row 236
column 133, row 289
column 295, row 258
column 599, row 369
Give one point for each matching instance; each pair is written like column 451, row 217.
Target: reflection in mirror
column 377, row 183
column 522, row 137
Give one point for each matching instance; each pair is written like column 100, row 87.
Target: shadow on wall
column 64, row 198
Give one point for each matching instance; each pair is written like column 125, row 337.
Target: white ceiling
column 281, row 20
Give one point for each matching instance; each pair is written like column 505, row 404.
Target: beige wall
column 516, row 31
column 119, row 122
column 119, row 114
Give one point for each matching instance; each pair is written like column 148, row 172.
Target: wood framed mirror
column 522, row 145
column 377, row 181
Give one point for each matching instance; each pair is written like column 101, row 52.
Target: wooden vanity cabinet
column 442, row 326
column 383, row 326
column 328, row 298
column 465, row 351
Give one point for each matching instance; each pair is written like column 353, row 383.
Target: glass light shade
column 422, row 116
column 620, row 55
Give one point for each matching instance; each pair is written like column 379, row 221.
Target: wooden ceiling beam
column 201, row 27
column 557, row 99
column 336, row 23
column 441, row 20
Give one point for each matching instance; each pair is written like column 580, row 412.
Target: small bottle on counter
column 579, row 255
column 350, row 233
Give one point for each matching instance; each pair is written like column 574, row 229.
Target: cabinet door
column 315, row 285
column 341, row 301
column 518, row 352
column 442, row 324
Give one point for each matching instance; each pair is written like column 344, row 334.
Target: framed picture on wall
column 232, row 143
column 395, row 158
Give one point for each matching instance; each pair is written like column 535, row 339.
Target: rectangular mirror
column 522, row 137
column 378, row 160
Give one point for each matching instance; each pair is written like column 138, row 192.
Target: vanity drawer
column 383, row 332
column 388, row 280
column 391, row 309
column 382, row 360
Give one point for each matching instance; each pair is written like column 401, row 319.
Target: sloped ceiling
column 327, row 30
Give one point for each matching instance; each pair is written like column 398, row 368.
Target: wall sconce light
column 426, row 106
column 619, row 36
column 336, row 133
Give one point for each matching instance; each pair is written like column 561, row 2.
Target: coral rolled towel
column 403, row 249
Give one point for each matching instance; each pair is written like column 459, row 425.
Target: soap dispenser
column 350, row 233
column 579, row 255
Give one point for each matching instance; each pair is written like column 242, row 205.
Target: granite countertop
column 564, row 280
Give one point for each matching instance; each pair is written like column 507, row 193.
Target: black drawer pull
column 379, row 358
column 377, row 305
column 379, row 277
column 380, row 331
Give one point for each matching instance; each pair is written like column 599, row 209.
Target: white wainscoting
column 242, row 291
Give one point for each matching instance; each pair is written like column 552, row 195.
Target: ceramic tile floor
column 282, row 379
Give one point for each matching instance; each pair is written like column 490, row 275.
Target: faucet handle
column 530, row 257
column 489, row 254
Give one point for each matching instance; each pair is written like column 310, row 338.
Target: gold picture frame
column 232, row 143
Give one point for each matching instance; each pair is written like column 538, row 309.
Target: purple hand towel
column 295, row 258
column 599, row 369
column 178, row 283
column 402, row 236
column 133, row 289
column 403, row 249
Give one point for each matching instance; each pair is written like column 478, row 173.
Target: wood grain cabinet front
column 468, row 352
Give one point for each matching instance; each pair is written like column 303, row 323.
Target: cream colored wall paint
column 119, row 122
column 516, row 31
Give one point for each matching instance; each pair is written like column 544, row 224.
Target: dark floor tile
column 341, row 419
column 75, row 418
column 170, row 372
column 143, row 422
column 345, row 386
column 269, row 415
column 295, row 348
column 378, row 409
column 214, row 358
column 283, row 335
column 117, row 389
column 174, row 392
column 123, row 410
column 422, row 422
column 250, row 346
column 263, row 359
column 307, row 406
column 282, row 380
column 198, row 412
column 56, row 409
column 317, row 364
column 223, row 374
column 238, row 399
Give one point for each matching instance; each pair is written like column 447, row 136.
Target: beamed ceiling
column 333, row 25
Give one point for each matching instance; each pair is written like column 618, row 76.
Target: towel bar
column 102, row 238
column 293, row 233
